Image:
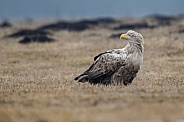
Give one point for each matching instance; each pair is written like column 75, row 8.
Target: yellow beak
column 123, row 36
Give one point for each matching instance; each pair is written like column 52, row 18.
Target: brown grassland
column 36, row 79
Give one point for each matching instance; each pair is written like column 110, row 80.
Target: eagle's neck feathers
column 132, row 47
column 135, row 54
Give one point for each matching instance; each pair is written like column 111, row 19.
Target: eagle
column 117, row 66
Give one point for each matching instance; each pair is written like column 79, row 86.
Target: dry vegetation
column 36, row 79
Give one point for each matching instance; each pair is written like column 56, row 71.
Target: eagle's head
column 133, row 37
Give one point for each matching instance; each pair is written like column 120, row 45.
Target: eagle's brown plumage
column 117, row 66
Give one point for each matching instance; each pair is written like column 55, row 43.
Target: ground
column 36, row 79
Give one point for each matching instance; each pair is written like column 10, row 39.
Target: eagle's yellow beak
column 123, row 36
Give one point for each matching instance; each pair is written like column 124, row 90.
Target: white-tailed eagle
column 117, row 66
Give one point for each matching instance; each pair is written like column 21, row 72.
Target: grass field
column 36, row 79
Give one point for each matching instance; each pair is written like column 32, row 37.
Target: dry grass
column 36, row 80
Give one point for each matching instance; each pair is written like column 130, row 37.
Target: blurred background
column 77, row 9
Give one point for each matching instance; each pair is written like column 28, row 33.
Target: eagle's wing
column 109, row 51
column 105, row 65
